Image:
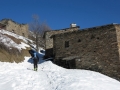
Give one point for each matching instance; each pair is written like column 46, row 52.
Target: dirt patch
column 18, row 41
column 11, row 54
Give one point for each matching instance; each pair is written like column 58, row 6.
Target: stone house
column 49, row 40
column 12, row 26
column 96, row 49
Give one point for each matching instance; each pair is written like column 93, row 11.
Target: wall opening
column 66, row 44
column 98, row 38
column 92, row 36
column 79, row 40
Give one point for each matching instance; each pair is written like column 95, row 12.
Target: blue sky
column 60, row 14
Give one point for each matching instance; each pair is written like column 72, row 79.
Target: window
column 79, row 40
column 92, row 36
column 66, row 44
column 98, row 38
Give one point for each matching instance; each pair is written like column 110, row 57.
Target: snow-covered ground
column 51, row 77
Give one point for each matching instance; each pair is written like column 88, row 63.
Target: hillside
column 20, row 76
column 13, row 47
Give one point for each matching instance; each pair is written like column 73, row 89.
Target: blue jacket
column 33, row 54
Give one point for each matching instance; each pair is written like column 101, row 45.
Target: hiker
column 35, row 59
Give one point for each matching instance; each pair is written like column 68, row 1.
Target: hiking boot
column 35, row 69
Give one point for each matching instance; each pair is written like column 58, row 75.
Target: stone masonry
column 49, row 40
column 12, row 26
column 96, row 49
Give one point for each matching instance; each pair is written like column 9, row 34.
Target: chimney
column 73, row 25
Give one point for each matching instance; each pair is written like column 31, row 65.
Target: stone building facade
column 2, row 26
column 12, row 26
column 96, row 48
column 49, row 40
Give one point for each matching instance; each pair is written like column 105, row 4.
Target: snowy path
column 51, row 77
column 17, row 77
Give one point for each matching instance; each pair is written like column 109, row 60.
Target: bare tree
column 38, row 28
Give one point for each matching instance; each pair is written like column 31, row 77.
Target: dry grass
column 11, row 57
column 13, row 54
column 18, row 41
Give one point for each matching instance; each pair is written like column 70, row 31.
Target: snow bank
column 51, row 77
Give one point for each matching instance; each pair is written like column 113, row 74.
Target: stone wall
column 20, row 29
column 117, row 27
column 49, row 39
column 93, row 48
column 2, row 26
